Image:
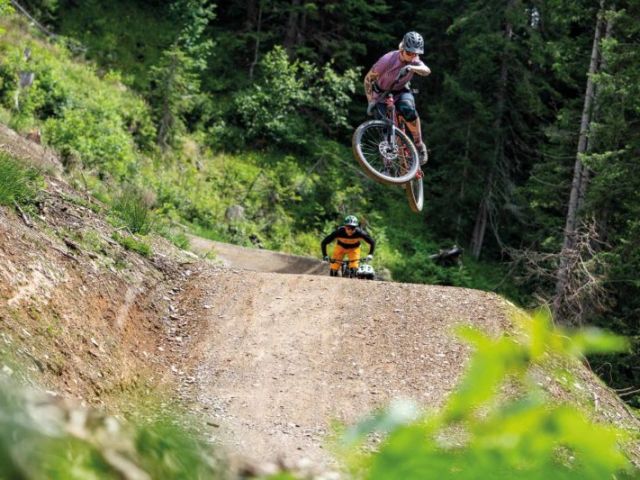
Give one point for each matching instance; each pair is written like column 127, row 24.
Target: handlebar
column 336, row 260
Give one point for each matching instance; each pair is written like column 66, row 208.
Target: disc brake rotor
column 388, row 151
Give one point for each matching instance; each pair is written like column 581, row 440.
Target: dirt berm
column 279, row 356
column 265, row 348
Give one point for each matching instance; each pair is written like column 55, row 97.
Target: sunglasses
column 410, row 54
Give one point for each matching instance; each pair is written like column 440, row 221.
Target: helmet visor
column 415, row 49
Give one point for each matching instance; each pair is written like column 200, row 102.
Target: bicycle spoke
column 385, row 153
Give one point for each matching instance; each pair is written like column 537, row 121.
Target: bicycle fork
column 391, row 135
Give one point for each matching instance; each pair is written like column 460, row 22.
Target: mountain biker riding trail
column 347, row 238
column 399, row 64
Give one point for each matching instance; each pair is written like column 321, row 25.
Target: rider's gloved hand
column 369, row 258
column 404, row 70
column 370, row 108
column 325, row 259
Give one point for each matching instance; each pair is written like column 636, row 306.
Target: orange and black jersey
column 348, row 241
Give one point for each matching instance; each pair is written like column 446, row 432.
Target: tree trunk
column 256, row 49
column 465, row 173
column 292, row 32
column 486, row 203
column 480, row 226
column 167, row 119
column 580, row 177
column 586, row 173
column 250, row 18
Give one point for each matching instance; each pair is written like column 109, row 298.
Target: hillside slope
column 267, row 359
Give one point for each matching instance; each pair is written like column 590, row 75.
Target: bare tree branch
column 585, row 275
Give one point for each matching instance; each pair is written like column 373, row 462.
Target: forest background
column 181, row 112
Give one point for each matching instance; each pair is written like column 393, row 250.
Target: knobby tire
column 407, row 166
column 415, row 193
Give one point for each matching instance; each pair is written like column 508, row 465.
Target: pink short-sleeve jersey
column 387, row 68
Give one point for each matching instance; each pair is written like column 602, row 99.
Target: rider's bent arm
column 327, row 240
column 372, row 243
column 369, row 81
column 421, row 69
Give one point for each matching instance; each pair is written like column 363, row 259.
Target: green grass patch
column 18, row 183
column 131, row 243
column 133, row 207
column 179, row 239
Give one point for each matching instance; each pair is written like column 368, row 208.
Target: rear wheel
column 385, row 152
column 415, row 192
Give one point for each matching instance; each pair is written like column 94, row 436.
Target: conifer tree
column 176, row 79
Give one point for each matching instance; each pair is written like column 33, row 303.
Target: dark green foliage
column 120, row 35
column 614, row 195
column 18, row 183
column 174, row 86
column 419, row 268
column 175, row 80
column 89, row 119
column 290, row 100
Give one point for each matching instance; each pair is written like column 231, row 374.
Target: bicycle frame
column 344, row 265
column 394, row 119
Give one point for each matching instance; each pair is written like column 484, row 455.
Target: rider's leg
column 407, row 107
column 416, row 133
column 337, row 255
column 414, row 127
column 354, row 260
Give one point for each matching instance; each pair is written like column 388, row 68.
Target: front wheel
column 385, row 152
column 415, row 193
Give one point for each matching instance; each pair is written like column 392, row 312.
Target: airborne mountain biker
column 404, row 62
column 347, row 238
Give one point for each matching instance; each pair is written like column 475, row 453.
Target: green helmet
column 351, row 221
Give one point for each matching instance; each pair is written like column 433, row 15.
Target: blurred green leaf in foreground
column 486, row 431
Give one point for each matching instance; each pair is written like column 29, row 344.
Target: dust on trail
column 279, row 357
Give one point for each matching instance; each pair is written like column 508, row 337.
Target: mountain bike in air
column 387, row 153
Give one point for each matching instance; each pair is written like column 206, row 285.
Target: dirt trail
column 256, row 259
column 281, row 356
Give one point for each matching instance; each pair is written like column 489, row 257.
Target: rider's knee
column 408, row 110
